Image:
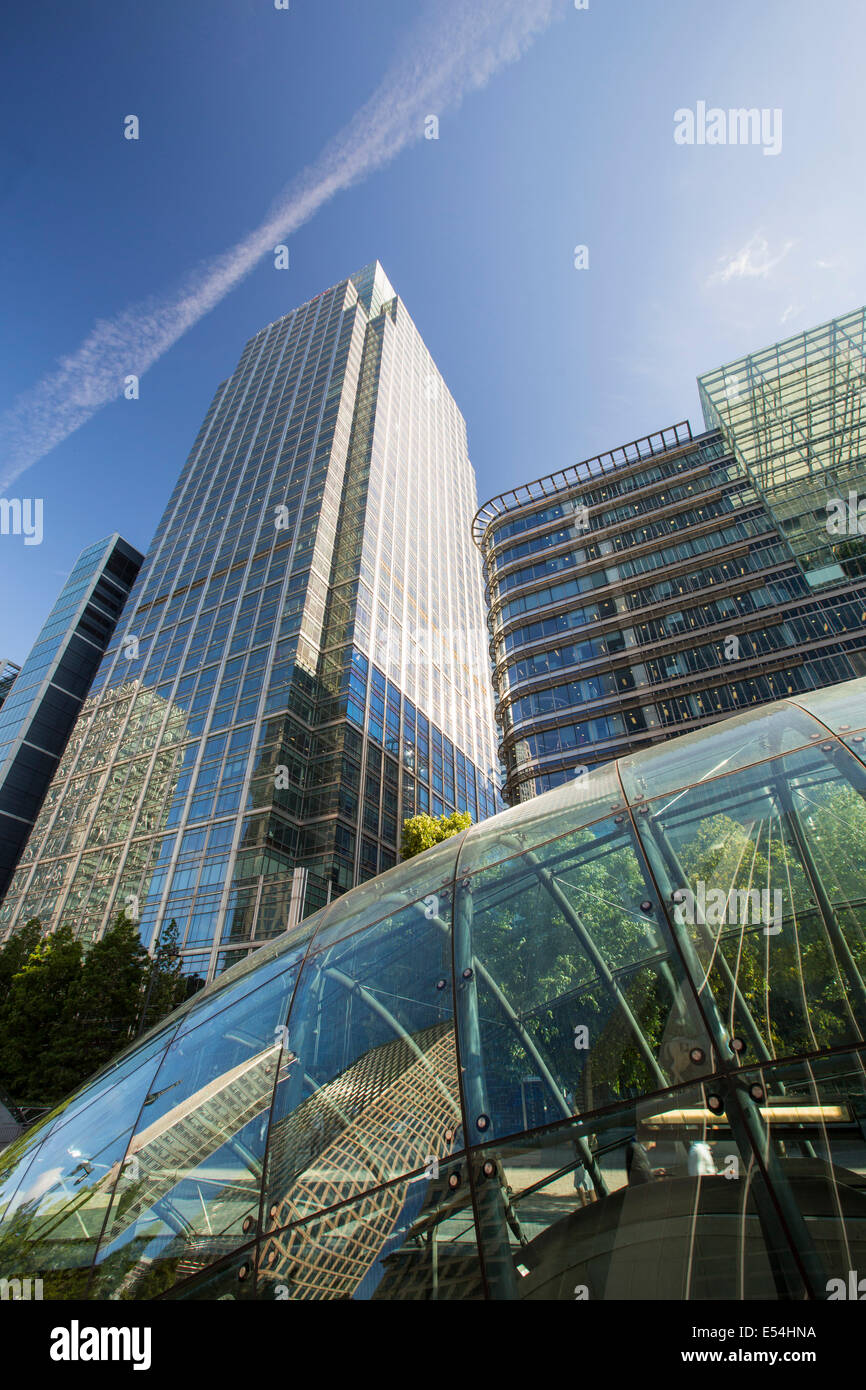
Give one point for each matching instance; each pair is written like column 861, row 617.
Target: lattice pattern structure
column 793, row 414
column 397, row 1130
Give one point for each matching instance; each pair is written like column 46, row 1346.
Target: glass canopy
column 607, row 1044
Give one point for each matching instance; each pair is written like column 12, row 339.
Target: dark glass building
column 609, row 1044
column 662, row 585
column 42, row 701
column 301, row 664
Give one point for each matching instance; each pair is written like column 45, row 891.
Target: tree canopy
column 422, row 832
column 65, row 1011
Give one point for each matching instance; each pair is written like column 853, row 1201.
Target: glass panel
column 263, row 964
column 584, row 799
column 814, row 1119
column 15, row 1163
column 374, row 1091
column 677, row 1210
column 414, row 1239
column 841, row 707
column 569, row 994
column 151, row 1044
column 379, row 897
column 857, row 744
column 192, row 1174
column 53, row 1222
column 764, row 877
column 233, row 1279
column 718, row 749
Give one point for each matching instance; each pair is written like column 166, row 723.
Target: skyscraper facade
column 675, row 580
column 40, row 702
column 302, row 663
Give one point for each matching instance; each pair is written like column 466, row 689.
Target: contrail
column 454, row 52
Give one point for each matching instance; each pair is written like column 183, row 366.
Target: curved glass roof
column 515, row 1064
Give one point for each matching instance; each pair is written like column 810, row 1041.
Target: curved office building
column 608, row 1044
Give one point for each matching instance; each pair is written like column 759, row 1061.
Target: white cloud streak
column 753, row 261
column 455, row 51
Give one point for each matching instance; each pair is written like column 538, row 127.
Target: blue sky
column 696, row 253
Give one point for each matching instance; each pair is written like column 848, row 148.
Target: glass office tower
column 643, row 593
column 301, row 666
column 793, row 415
column 41, row 701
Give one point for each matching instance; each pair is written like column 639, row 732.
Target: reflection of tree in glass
column 788, row 979
column 536, row 950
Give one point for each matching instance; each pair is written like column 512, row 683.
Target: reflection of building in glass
column 670, row 582
column 308, row 624
column 8, row 671
column 98, row 843
column 40, row 710
column 540, row 1058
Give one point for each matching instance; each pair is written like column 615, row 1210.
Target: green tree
column 33, row 1019
column 64, row 1014
column 422, row 832
column 15, row 954
column 103, row 1007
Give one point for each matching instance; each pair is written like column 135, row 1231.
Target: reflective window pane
column 717, row 749
column 673, row 1211
column 570, row 995
column 578, row 802
column 414, row 1239
column 54, row 1220
column 841, row 707
column 763, row 873
column 190, row 1183
column 374, row 1091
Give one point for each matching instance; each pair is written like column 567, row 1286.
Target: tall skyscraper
column 303, row 663
column 43, row 699
column 671, row 582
